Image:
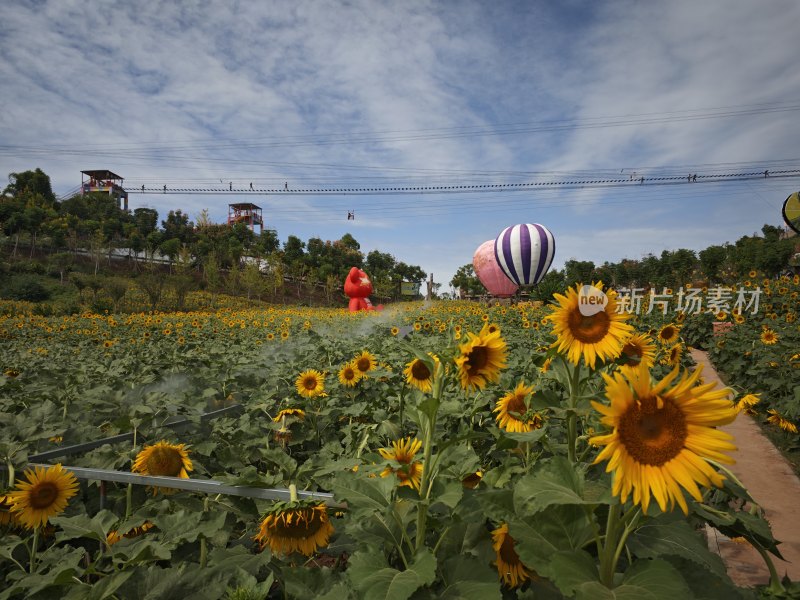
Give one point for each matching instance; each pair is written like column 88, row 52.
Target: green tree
column 252, row 280
column 116, row 288
column 35, row 182
column 152, row 284
column 711, row 261
column 578, row 271
column 466, row 282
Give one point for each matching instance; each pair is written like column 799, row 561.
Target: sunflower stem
column 402, row 405
column 292, row 492
column 10, row 473
column 629, row 527
column 34, row 545
column 424, row 487
column 129, row 501
column 572, row 416
column 608, row 563
column 775, row 585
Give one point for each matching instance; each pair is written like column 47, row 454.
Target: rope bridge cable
column 691, row 179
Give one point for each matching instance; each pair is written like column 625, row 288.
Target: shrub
column 26, row 287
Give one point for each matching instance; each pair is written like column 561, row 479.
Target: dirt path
column 773, row 484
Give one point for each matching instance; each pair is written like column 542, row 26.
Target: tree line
column 216, row 256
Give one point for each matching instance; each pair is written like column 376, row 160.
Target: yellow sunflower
column 662, row 435
column 350, row 375
column 638, row 350
column 45, row 494
column 668, row 334
column 289, row 412
column 163, row 459
column 409, row 471
column 310, row 383
column 601, row 335
column 471, row 480
column 509, row 566
column 480, row 359
column 365, row 362
column 778, row 419
column 394, row 330
column 673, row 357
column 739, row 319
column 769, row 337
column 512, row 411
column 419, row 375
column 298, row 527
column 113, row 536
column 7, row 518
column 746, row 403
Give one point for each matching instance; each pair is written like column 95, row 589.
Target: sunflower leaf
column 469, row 578
column 359, row 492
column 83, row 526
column 557, row 482
column 530, row 437
column 556, row 529
column 572, row 569
column 645, row 580
column 659, row 537
column 376, row 580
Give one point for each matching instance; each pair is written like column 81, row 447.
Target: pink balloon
column 490, row 273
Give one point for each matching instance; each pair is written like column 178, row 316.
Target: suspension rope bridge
column 691, row 179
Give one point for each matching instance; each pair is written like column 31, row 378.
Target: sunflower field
column 466, row 450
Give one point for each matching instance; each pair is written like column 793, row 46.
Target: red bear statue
column 358, row 287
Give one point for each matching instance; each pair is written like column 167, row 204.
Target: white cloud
column 290, row 77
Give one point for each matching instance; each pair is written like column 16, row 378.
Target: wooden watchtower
column 105, row 182
column 246, row 213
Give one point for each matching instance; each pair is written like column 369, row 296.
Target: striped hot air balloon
column 524, row 252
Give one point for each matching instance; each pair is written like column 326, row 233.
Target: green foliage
column 26, row 287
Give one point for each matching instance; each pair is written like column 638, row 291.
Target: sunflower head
column 638, row 349
column 600, row 335
column 778, row 419
column 297, row 413
column 406, row 469
column 7, row 518
column 365, row 362
column 509, row 566
column 45, row 494
column 163, row 459
column 114, row 536
column 292, row 527
column 310, row 383
column 673, row 357
column 480, row 359
column 661, row 436
column 513, row 413
column 471, row 480
column 769, row 337
column 668, row 334
column 419, row 374
column 350, row 375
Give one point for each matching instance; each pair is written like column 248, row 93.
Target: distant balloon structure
column 490, row 273
column 524, row 252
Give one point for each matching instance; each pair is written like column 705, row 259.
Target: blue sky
column 367, row 94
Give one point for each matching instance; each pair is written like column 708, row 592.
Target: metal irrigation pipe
column 203, row 486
